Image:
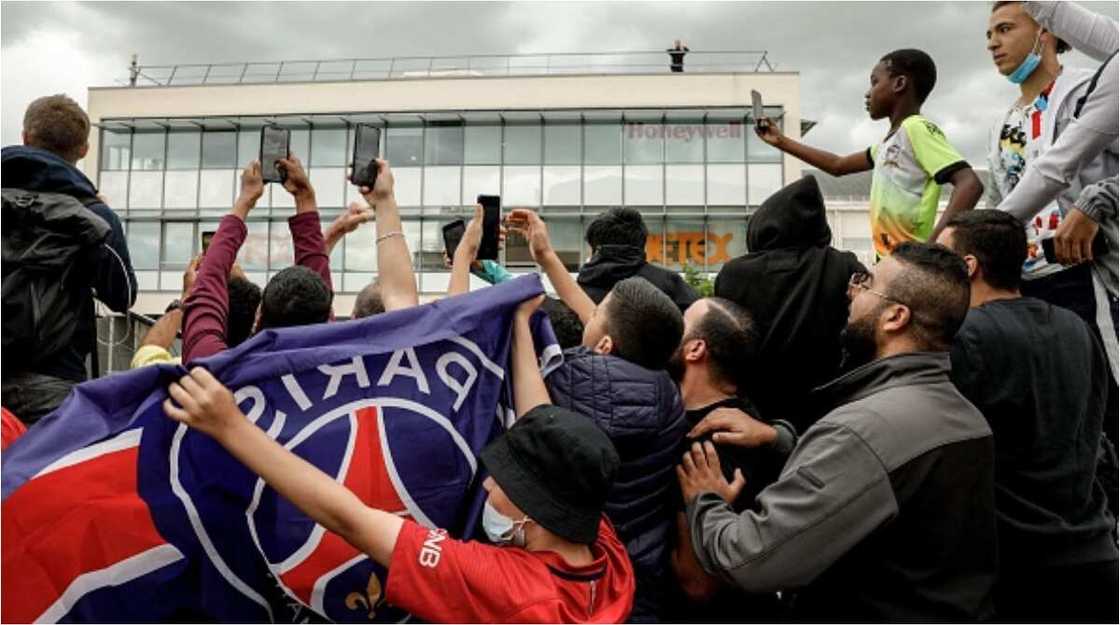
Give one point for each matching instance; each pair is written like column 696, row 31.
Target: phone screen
column 274, row 146
column 206, row 236
column 452, row 234
column 756, row 105
column 367, row 147
column 491, row 223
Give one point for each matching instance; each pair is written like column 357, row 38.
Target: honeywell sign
column 684, row 132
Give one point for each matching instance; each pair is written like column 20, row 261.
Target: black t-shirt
column 1040, row 376
column 761, row 467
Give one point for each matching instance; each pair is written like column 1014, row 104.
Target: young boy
column 910, row 166
column 617, row 379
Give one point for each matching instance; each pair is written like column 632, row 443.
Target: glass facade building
column 695, row 174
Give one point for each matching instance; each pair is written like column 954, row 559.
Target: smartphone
column 491, row 224
column 206, row 236
column 452, row 234
column 756, row 106
column 1100, row 248
column 275, row 143
column 367, row 147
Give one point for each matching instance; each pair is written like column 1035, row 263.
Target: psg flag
column 112, row 512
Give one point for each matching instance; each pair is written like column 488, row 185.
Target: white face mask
column 502, row 530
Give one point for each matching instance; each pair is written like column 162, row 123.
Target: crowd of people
column 928, row 438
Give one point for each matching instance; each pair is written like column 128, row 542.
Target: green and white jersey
column 911, row 164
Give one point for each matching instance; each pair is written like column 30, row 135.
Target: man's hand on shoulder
column 732, row 426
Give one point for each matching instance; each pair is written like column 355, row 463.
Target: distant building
column 568, row 134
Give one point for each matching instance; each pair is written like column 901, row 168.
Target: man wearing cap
column 555, row 558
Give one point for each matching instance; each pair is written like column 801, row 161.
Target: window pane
column 655, row 240
column 219, row 149
column 431, row 250
column 727, row 239
column 280, row 252
column 562, row 144
column 685, row 244
column 602, row 144
column 115, row 150
column 143, row 244
column 144, row 189
column 521, row 186
column 328, row 147
column 643, row 142
column 216, row 188
column 182, row 149
column 300, row 144
column 248, row 147
column 643, row 185
column 764, row 181
column 329, row 185
column 684, row 143
column 725, row 142
column 147, row 150
column 480, row 181
column 180, row 189
column 566, row 236
column 522, row 145
column 253, row 255
column 684, row 185
column 602, row 185
column 178, row 243
column 361, row 252
column 561, row 185
column 483, row 145
column 114, row 188
column 412, row 238
column 406, row 185
column 758, row 151
column 443, row 145
column 727, row 185
column 441, row 186
column 405, row 146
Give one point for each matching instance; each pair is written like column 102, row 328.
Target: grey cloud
column 832, row 44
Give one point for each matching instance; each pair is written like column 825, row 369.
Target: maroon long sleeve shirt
column 206, row 309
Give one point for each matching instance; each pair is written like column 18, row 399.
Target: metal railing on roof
column 474, row 65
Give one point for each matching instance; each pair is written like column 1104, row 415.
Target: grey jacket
column 1086, row 150
column 884, row 511
column 1098, row 202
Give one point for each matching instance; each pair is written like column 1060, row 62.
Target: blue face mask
column 1029, row 64
column 500, row 529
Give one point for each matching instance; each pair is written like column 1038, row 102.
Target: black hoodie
column 613, row 263
column 795, row 286
column 33, row 169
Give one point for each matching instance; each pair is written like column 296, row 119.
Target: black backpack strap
column 1092, row 86
column 94, row 355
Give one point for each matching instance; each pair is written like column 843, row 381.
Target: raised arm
column 1088, row 32
column 208, row 406
column 465, row 254
column 826, row 161
column 528, row 386
column 356, row 214
column 394, row 262
column 530, row 225
column 206, row 309
column 306, row 230
column 166, row 328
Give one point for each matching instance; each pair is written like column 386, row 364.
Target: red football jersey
column 444, row 580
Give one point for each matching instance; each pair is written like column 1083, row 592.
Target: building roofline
column 434, row 78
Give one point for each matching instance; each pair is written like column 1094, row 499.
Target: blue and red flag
column 113, row 512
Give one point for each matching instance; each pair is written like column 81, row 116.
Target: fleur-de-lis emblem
column 372, row 599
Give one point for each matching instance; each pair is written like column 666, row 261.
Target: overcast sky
column 67, row 47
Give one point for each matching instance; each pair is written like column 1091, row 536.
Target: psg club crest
column 401, row 430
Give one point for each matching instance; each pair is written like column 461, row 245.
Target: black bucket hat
column 556, row 466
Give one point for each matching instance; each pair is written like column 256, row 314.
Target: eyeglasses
column 862, row 280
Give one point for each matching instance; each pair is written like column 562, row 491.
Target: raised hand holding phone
column 275, row 146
